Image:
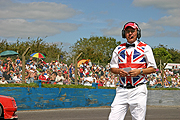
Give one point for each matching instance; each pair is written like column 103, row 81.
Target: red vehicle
column 7, row 107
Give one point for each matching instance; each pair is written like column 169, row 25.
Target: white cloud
column 156, row 27
column 163, row 4
column 110, row 22
column 171, row 7
column 33, row 19
column 115, row 31
column 22, row 28
column 36, row 10
column 148, row 29
column 168, row 21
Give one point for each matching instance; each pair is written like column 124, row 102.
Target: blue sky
column 67, row 21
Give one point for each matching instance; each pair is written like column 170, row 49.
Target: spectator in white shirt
column 59, row 78
column 17, row 78
column 88, row 80
column 151, row 82
column 33, row 66
column 3, row 81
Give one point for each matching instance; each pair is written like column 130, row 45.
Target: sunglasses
column 128, row 31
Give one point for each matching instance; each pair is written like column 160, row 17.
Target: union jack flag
column 135, row 59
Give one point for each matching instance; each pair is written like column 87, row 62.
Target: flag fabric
column 134, row 60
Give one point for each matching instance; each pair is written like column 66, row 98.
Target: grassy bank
column 34, row 85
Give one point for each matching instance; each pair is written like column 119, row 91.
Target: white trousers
column 134, row 98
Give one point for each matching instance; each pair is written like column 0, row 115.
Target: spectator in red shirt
column 81, row 72
column 42, row 77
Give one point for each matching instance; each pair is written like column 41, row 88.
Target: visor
column 131, row 24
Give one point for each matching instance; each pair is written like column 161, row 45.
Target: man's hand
column 134, row 73
column 123, row 73
column 119, row 71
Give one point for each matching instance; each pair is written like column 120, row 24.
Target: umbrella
column 8, row 53
column 82, row 61
column 38, row 55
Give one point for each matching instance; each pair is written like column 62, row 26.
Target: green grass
column 46, row 86
column 34, row 85
column 20, row 85
column 163, row 89
column 66, row 86
column 101, row 87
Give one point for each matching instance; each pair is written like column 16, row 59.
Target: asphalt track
column 153, row 113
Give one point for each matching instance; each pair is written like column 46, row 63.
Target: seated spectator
column 46, row 74
column 167, row 72
column 6, row 74
column 59, row 78
column 8, row 59
column 173, row 79
column 101, row 81
column 73, row 77
column 176, row 75
column 112, row 81
column 53, row 77
column 10, row 66
column 94, row 77
column 15, row 67
column 52, row 65
column 88, row 80
column 42, row 77
column 35, row 75
column 166, row 82
column 66, row 80
column 81, row 72
column 97, row 72
column 106, row 73
column 17, row 61
column 81, row 80
column 58, row 67
column 154, row 79
column 29, row 61
column 2, row 81
column 27, row 66
column 152, row 82
column 20, row 65
column 38, row 64
column 30, row 76
column 159, row 82
column 178, row 82
column 45, row 67
column 33, row 65
column 107, row 82
column 17, row 78
column 50, row 79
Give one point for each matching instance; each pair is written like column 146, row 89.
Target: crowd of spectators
column 54, row 73
column 60, row 73
column 155, row 80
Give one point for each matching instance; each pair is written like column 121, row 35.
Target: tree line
column 50, row 50
column 97, row 49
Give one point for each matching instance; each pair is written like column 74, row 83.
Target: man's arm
column 133, row 73
column 136, row 72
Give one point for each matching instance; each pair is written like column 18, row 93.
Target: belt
column 129, row 86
